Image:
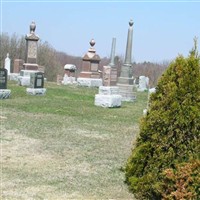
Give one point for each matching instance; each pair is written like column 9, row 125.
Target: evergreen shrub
column 165, row 164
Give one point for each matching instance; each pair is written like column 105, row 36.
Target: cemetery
column 99, row 133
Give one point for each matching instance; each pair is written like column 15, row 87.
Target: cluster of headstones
column 112, row 89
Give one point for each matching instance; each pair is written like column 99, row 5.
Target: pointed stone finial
column 92, row 42
column 131, row 22
column 32, row 27
column 92, row 49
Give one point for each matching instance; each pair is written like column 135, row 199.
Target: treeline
column 53, row 61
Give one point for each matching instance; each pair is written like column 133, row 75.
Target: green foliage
column 170, row 132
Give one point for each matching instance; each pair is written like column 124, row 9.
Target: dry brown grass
column 48, row 155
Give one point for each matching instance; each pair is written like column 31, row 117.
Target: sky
column 162, row 29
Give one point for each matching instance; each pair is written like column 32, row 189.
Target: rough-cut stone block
column 4, row 93
column 24, row 80
column 36, row 91
column 108, row 90
column 88, row 82
column 108, row 101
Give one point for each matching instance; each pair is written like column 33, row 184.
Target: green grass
column 62, row 146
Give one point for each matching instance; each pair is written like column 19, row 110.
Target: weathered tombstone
column 70, row 74
column 125, row 81
column 90, row 75
column 7, row 63
column 31, row 49
column 36, row 84
column 4, row 92
column 18, row 65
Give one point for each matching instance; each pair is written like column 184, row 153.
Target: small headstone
column 143, row 83
column 37, row 80
column 3, row 78
column 36, row 84
column 4, row 92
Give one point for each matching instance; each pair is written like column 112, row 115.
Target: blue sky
column 162, row 30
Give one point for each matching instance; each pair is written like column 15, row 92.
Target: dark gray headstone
column 37, row 80
column 3, row 78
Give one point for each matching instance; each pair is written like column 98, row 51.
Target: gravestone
column 110, row 71
column 31, row 49
column 90, row 75
column 4, row 92
column 36, row 84
column 143, row 83
column 125, row 81
column 7, row 63
column 3, row 78
column 70, row 74
column 37, row 80
column 18, row 65
column 108, row 95
column 24, row 77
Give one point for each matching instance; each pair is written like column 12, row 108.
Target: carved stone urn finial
column 131, row 22
column 92, row 42
column 32, row 27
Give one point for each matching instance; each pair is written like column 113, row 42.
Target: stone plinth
column 108, row 97
column 127, row 92
column 24, row 80
column 4, row 93
column 28, row 66
column 36, row 91
column 89, row 82
column 104, row 90
column 108, row 101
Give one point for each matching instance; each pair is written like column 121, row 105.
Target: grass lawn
column 62, row 146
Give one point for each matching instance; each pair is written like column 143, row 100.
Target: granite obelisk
column 125, row 81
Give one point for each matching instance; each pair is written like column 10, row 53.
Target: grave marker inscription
column 3, row 78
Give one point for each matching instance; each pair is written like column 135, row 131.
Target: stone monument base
column 5, row 93
column 30, row 66
column 89, row 82
column 127, row 91
column 36, row 91
column 13, row 76
column 24, row 80
column 108, row 97
column 67, row 80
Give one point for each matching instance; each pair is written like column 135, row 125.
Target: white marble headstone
column 7, row 63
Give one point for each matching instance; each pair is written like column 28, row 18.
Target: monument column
column 125, row 81
column 112, row 54
column 31, row 49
